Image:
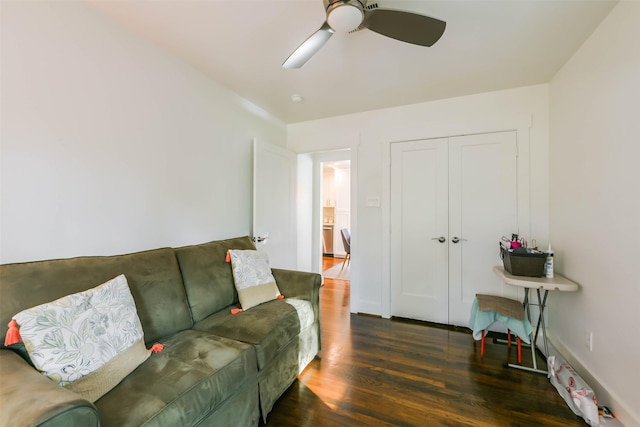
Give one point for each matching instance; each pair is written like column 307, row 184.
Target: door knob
column 457, row 239
column 440, row 239
column 260, row 239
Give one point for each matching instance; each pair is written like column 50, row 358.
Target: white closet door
column 419, row 266
column 482, row 207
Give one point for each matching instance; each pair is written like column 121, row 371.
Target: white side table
column 557, row 283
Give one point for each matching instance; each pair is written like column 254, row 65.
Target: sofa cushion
column 87, row 341
column 208, row 279
column 252, row 278
column 154, row 280
column 194, row 374
column 269, row 326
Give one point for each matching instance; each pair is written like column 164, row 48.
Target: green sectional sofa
column 216, row 368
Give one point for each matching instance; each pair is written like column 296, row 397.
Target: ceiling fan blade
column 404, row 26
column 309, row 47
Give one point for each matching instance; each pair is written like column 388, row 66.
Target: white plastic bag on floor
column 578, row 395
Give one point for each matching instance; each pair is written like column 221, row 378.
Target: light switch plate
column 372, row 202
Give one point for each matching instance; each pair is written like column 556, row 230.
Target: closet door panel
column 419, row 282
column 482, row 207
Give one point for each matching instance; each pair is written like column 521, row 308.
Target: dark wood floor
column 380, row 372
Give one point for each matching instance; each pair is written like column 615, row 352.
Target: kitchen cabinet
column 327, row 240
column 328, row 187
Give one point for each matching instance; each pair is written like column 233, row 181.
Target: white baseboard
column 605, row 397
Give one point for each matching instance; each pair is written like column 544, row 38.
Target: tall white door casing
column 274, row 209
column 418, row 264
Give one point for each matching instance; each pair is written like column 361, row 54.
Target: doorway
column 336, row 218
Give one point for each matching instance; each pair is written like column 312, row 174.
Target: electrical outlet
column 588, row 340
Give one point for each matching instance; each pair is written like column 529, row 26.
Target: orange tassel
column 228, row 258
column 13, row 334
column 236, row 310
column 157, row 347
column 280, row 296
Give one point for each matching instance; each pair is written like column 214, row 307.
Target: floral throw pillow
column 70, row 339
column 252, row 277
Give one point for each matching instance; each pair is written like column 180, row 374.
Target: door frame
column 521, row 124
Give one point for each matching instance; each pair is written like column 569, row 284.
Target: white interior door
column 274, row 213
column 482, row 207
column 419, row 230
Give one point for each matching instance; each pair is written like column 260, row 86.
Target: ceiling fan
column 354, row 15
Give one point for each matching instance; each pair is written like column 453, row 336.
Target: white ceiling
column 487, row 46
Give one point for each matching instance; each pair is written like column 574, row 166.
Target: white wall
column 111, row 145
column 305, row 213
column 369, row 134
column 595, row 208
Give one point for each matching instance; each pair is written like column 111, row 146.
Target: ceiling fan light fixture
column 347, row 16
column 344, row 17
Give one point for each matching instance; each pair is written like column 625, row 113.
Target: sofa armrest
column 28, row 398
column 300, row 284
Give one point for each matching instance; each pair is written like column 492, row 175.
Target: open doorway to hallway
column 335, row 218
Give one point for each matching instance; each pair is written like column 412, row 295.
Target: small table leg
column 541, row 306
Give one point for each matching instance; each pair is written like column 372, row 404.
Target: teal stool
column 488, row 309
